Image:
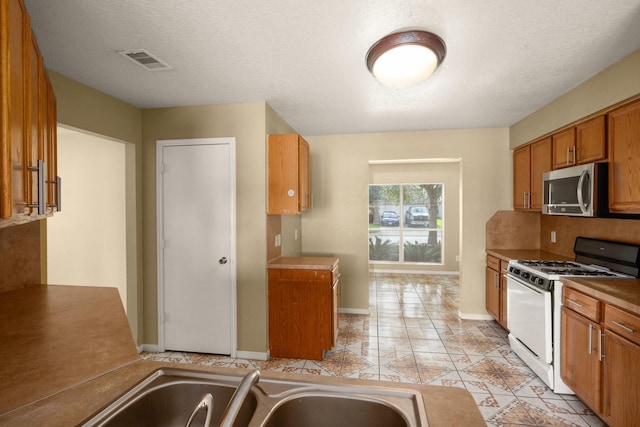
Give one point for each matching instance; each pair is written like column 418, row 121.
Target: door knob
column 223, row 260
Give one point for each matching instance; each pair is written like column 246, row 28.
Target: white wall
column 86, row 242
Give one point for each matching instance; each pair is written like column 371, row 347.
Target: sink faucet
column 241, row 393
column 205, row 402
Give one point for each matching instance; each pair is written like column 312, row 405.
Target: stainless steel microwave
column 578, row 190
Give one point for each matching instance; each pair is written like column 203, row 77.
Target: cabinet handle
column 574, row 154
column 42, row 189
column 601, row 355
column 576, row 303
column 626, row 328
column 568, row 156
column 590, row 337
column 58, row 184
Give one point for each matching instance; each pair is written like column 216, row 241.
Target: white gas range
column 534, row 300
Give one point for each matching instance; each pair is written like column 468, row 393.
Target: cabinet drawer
column 622, row 322
column 493, row 262
column 577, row 301
column 504, row 266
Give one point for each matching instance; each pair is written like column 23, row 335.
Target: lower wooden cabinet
column 496, row 289
column 303, row 311
column 581, row 367
column 601, row 357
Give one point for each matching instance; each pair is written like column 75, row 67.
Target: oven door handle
column 520, row 282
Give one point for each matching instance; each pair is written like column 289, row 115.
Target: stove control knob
column 540, row 281
column 516, row 271
column 525, row 275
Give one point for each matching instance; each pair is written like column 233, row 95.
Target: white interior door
column 196, row 249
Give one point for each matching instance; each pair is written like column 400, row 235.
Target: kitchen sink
column 168, row 396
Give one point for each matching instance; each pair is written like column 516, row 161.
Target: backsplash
column 532, row 230
column 20, row 256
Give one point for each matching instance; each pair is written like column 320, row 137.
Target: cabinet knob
column 291, row 193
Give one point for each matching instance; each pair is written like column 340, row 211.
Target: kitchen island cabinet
column 303, row 306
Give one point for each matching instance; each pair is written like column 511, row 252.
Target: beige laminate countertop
column 445, row 406
column 304, row 263
column 623, row 293
column 521, row 254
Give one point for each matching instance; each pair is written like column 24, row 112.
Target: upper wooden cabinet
column 624, row 159
column 583, row 143
column 28, row 152
column 529, row 163
column 288, row 174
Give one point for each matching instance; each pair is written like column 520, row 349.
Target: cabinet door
column 503, row 294
column 580, row 366
column 624, row 159
column 621, row 382
column 590, row 140
column 564, row 146
column 493, row 293
column 522, row 177
column 13, row 55
column 540, row 163
column 51, row 124
column 303, row 174
column 34, row 127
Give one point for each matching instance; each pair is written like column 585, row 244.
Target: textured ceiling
column 505, row 58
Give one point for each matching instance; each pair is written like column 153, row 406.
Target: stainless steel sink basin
column 168, row 396
column 335, row 411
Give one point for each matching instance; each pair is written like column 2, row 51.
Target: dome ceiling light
column 405, row 58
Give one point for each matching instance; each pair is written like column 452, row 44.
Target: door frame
column 160, row 144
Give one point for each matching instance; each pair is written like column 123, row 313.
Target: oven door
column 530, row 317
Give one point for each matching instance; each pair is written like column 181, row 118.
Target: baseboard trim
column 151, row 348
column 347, row 310
column 253, row 355
column 472, row 316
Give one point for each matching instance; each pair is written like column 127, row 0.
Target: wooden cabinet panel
column 591, row 140
column 493, row 293
column 303, row 312
column 621, row 382
column 288, row 174
column 624, row 155
column 585, row 305
column 580, row 364
column 564, row 146
column 540, row 163
column 623, row 323
column 522, row 177
column 27, row 118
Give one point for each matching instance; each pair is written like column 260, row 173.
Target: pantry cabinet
column 28, row 151
column 624, row 159
column 288, row 174
column 583, row 143
column 303, row 307
column 600, row 356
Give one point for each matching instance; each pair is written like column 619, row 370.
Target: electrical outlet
column 295, row 234
column 553, row 237
column 458, row 258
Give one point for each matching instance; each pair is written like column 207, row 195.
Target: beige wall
column 247, row 123
column 86, row 241
column 616, row 83
column 446, row 173
column 337, row 223
column 83, row 108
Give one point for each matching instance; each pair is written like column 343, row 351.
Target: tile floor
column 413, row 335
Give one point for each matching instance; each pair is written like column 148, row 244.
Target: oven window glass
column 406, row 223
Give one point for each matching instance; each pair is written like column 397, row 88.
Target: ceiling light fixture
column 405, row 58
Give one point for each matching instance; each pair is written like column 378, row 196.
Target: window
column 405, row 223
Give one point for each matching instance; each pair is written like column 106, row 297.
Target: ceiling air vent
column 145, row 59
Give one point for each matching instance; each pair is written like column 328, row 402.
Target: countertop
column 445, row 406
column 304, row 263
column 623, row 293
